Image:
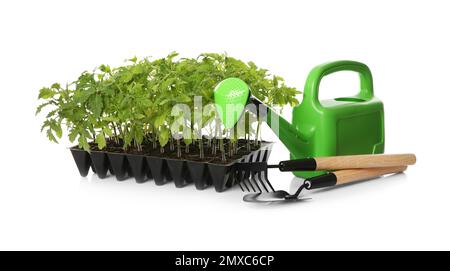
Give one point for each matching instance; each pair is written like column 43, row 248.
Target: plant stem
column 178, row 148
column 200, row 145
column 116, row 138
column 213, row 147
column 222, row 149
column 171, row 145
column 153, row 138
column 257, row 132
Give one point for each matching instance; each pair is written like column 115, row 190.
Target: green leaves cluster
column 130, row 106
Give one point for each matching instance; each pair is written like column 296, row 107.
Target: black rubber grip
column 305, row 164
column 321, row 181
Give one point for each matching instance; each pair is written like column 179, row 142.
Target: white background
column 44, row 204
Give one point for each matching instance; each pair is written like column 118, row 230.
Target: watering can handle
column 311, row 91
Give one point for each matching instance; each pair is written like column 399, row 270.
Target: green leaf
column 138, row 135
column 46, row 93
column 167, row 83
column 172, row 55
column 127, row 77
column 40, row 107
column 73, row 135
column 134, row 59
column 107, row 131
column 110, row 119
column 164, row 101
column 58, row 131
column 45, row 124
column 159, row 120
column 98, row 105
column 139, row 116
column 82, row 142
column 183, row 98
column 136, row 70
column 163, row 136
column 50, row 136
column 55, row 127
column 128, row 138
column 104, row 68
column 51, row 113
column 101, row 141
column 82, row 96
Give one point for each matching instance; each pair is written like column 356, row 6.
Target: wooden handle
column 364, row 161
column 353, row 175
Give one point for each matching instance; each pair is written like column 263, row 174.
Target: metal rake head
column 253, row 178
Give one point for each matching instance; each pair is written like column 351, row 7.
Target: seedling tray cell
column 100, row 163
column 159, row 170
column 119, row 165
column 179, row 172
column 139, row 168
column 83, row 161
column 199, row 174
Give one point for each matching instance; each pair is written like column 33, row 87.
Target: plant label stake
column 230, row 95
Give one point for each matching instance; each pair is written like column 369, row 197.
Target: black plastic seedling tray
column 164, row 169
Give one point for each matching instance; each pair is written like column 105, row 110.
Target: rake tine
column 240, row 185
column 246, row 179
column 246, row 174
column 267, row 180
column 237, row 175
column 242, row 173
column 242, row 180
column 255, row 182
column 253, row 178
column 260, row 180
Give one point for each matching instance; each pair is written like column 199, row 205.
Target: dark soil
column 193, row 154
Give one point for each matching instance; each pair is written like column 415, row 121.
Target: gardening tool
column 340, row 126
column 252, row 176
column 327, row 180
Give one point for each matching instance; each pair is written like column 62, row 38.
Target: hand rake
column 252, row 177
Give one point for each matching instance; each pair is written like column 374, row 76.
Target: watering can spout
column 284, row 130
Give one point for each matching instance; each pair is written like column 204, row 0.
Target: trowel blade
column 269, row 197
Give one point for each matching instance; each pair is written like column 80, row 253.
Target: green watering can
column 340, row 126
